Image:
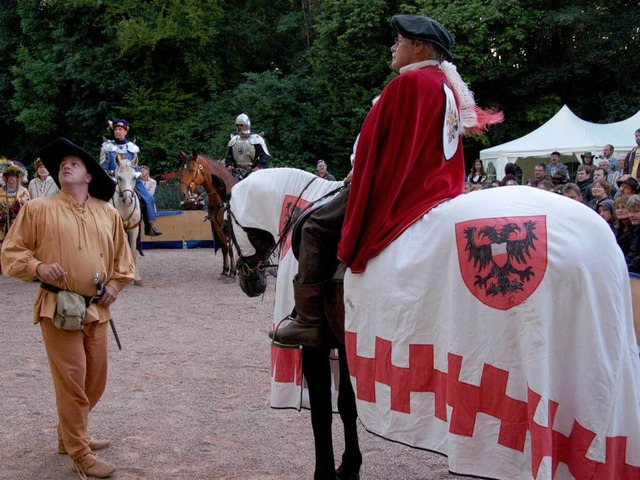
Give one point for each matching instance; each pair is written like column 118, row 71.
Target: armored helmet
column 245, row 121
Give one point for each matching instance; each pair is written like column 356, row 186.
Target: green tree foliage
column 349, row 63
column 10, row 32
column 529, row 57
column 305, row 72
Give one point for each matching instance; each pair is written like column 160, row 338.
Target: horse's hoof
column 229, row 280
column 347, row 473
column 137, row 283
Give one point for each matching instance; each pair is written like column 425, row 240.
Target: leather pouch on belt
column 70, row 311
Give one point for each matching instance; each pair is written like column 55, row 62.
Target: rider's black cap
column 416, row 27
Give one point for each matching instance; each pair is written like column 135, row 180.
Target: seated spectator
column 147, row 181
column 555, row 167
column 540, row 173
column 628, row 185
column 495, row 183
column 466, row 188
column 621, row 158
column 587, row 158
column 601, row 191
column 42, row 184
column 623, row 224
column 615, row 175
column 601, row 174
column 612, row 176
column 509, row 180
column 545, row 185
column 606, row 211
column 572, row 191
column 584, row 180
column 559, row 179
column 633, row 256
column 532, row 182
column 477, row 175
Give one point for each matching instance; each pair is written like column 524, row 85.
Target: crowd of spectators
column 608, row 184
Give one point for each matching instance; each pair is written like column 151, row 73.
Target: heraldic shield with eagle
column 502, row 260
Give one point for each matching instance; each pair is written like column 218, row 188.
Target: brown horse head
column 190, row 176
column 200, row 170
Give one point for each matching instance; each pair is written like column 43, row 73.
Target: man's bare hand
column 109, row 296
column 51, row 272
column 348, row 178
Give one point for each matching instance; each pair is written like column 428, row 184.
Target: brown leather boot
column 309, row 328
column 92, row 466
column 94, row 444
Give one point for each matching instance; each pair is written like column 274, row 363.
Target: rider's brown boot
column 150, row 230
column 91, row 466
column 309, row 328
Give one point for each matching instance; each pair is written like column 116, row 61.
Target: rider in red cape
column 400, row 142
column 408, row 159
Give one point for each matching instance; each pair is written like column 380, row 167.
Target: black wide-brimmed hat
column 416, row 27
column 101, row 185
column 632, row 182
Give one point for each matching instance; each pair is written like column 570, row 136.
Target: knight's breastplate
column 243, row 153
column 122, row 152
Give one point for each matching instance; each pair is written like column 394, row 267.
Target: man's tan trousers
column 78, row 362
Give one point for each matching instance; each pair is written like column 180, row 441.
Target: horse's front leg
column 133, row 238
column 215, row 224
column 349, row 469
column 317, row 372
column 232, row 263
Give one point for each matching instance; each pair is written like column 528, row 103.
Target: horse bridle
column 247, row 270
column 190, row 185
column 134, row 196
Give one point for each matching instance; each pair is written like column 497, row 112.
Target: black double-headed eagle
column 507, row 278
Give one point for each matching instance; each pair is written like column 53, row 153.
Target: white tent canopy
column 567, row 134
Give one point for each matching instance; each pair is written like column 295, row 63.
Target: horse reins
column 291, row 220
column 134, row 196
column 192, row 183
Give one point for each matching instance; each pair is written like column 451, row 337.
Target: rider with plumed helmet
column 122, row 148
column 247, row 152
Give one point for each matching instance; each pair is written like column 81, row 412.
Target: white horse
column 127, row 203
column 496, row 330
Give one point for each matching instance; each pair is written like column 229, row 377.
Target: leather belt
column 54, row 289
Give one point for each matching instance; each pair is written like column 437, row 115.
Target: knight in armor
column 121, row 148
column 247, row 152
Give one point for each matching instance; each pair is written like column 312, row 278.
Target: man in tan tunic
column 64, row 241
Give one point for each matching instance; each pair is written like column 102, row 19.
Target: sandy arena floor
column 188, row 396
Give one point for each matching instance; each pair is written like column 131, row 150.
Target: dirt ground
column 188, row 395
